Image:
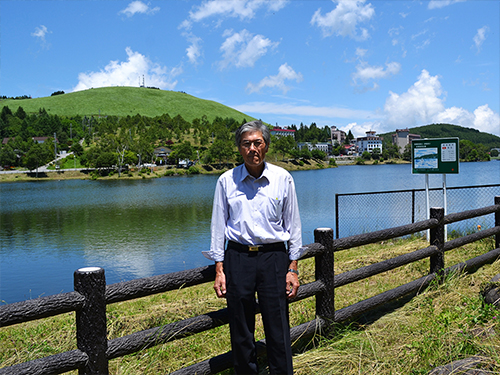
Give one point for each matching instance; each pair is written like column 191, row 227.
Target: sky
column 358, row 65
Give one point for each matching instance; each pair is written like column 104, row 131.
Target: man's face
column 253, row 148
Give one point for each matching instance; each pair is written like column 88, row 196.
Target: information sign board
column 438, row 155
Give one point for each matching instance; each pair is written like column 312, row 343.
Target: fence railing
column 91, row 296
column 357, row 213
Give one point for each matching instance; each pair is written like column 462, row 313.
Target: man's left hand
column 292, row 281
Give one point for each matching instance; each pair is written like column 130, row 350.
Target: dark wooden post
column 325, row 301
column 91, row 332
column 497, row 222
column 437, row 239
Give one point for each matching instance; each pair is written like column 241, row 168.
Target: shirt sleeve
column 218, row 225
column 291, row 222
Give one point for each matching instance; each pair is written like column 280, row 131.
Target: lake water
column 141, row 228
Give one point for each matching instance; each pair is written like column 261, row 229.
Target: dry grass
column 445, row 323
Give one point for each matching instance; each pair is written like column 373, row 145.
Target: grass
column 446, row 322
column 123, row 101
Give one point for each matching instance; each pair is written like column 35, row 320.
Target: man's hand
column 292, row 281
column 220, row 280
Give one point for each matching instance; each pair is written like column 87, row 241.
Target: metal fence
column 357, row 213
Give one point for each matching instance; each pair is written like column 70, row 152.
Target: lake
column 141, row 228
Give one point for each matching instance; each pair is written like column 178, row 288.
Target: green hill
column 123, row 101
column 448, row 131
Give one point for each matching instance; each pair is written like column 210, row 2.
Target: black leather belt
column 276, row 246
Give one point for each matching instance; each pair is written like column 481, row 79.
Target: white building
column 322, row 146
column 369, row 142
column 278, row 132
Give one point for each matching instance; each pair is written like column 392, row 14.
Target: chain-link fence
column 358, row 213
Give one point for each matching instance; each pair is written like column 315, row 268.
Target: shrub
column 193, row 170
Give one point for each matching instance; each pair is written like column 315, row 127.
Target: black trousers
column 264, row 273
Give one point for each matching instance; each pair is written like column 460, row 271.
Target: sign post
column 435, row 156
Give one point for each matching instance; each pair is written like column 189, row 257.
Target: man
column 255, row 213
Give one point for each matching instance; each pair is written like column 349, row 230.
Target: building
column 338, row 135
column 322, row 146
column 368, row 143
column 403, row 138
column 278, row 132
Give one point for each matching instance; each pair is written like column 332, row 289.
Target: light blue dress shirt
column 255, row 211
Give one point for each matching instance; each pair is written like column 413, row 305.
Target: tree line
column 104, row 142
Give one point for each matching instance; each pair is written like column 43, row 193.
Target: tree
column 183, row 151
column 318, row 154
column 284, row 145
column 366, row 155
column 221, row 150
column 77, row 149
column 36, row 156
column 7, row 156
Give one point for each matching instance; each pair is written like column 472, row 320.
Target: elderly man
column 255, row 243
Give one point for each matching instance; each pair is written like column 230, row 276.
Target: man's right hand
column 220, row 280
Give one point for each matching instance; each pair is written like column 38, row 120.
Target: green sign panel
column 435, row 155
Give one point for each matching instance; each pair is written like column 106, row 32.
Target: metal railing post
column 437, row 239
column 91, row 336
column 324, row 262
column 497, row 222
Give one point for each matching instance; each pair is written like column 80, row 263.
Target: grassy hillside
column 123, row 101
column 448, row 130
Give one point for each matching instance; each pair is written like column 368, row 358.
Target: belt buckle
column 254, row 248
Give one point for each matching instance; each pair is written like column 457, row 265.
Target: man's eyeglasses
column 257, row 144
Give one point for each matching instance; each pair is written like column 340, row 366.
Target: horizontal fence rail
column 91, row 296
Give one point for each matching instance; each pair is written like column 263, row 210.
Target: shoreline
column 161, row 171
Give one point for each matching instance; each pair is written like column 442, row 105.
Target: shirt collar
column 245, row 174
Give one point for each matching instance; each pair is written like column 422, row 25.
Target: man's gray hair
column 252, row 126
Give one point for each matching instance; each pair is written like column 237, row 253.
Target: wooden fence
column 91, row 296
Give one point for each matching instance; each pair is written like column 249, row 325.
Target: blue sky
column 358, row 65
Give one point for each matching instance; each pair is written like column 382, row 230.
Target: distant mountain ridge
column 449, row 131
column 123, row 101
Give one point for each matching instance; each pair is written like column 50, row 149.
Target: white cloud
column 285, row 72
column 130, row 73
column 40, row 33
column 436, row 4
column 365, row 72
column 422, row 104
column 418, row 105
column 242, row 9
column 480, row 37
column 194, row 51
column 243, row 49
column 138, row 7
column 344, row 19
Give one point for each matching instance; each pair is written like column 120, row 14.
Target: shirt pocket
column 274, row 209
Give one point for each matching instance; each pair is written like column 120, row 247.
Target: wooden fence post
column 325, row 301
column 497, row 222
column 437, row 239
column 91, row 331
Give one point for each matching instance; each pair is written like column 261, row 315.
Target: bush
column 332, row 162
column 193, row 170
column 169, row 172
